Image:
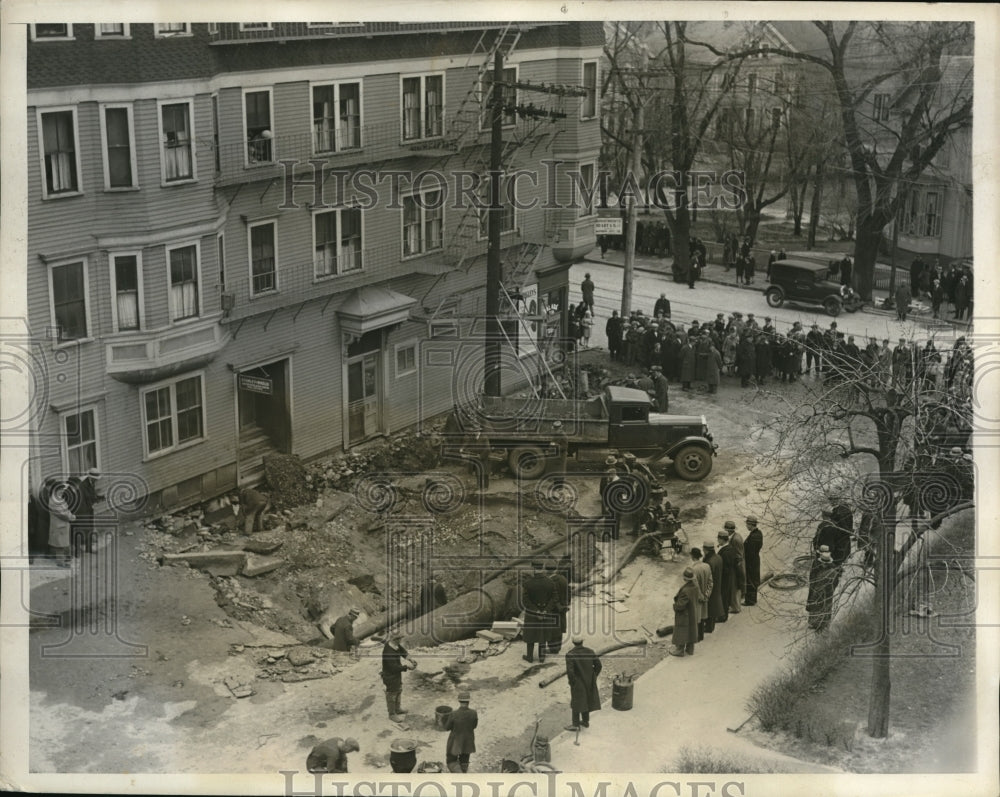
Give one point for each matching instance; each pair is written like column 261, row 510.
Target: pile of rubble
column 406, row 452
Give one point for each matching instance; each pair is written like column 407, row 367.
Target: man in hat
column 86, row 497
column 768, row 328
column 538, row 599
column 736, row 540
column 686, row 603
column 587, row 289
column 814, row 348
column 703, row 580
column 661, row 388
column 562, row 602
column 823, row 577
column 614, row 329
column 342, row 632
column 395, row 661
column 717, row 611
column 835, row 531
column 751, row 560
column 331, row 755
column 461, row 726
column 662, row 307
column 730, row 573
column 582, row 668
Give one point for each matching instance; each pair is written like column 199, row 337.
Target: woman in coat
column 686, row 616
column 687, row 365
column 60, row 520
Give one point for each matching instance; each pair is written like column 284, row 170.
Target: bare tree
column 876, row 434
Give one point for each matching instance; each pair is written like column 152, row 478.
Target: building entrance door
column 363, row 397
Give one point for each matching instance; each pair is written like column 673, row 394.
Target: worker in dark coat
column 395, row 661
column 751, row 559
column 736, row 540
column 661, row 388
column 823, row 578
column 461, row 725
column 746, row 360
column 762, row 354
column 582, row 668
column 342, row 632
column 562, row 602
column 686, row 616
column 615, row 329
column 331, row 755
column 662, row 307
column 717, row 611
column 835, row 532
column 730, row 570
column 713, row 370
column 538, row 599
column 687, row 365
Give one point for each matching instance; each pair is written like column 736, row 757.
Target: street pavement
column 717, row 292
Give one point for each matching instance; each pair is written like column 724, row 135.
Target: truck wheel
column 832, row 306
column 527, row 462
column 774, row 296
column 693, row 463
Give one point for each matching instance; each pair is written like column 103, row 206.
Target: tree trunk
column 680, row 238
column 815, row 204
column 881, row 685
column 865, row 253
column 752, row 222
column 798, row 200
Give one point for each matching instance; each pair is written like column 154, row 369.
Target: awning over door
column 371, row 308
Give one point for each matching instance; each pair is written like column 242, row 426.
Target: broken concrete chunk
column 238, row 688
column 300, row 657
column 220, row 562
column 259, row 565
column 262, row 545
column 479, row 646
column 489, row 636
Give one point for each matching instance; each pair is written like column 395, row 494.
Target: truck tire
column 527, row 462
column 832, row 305
column 775, row 297
column 693, row 463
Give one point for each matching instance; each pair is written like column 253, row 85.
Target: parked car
column 809, row 283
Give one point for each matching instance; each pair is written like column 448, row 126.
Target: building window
column 406, row 359
column 185, row 300
column 589, row 184
column 590, row 85
column 423, row 219
column 215, row 133
column 80, row 430
column 176, row 137
column 880, row 103
column 338, row 242
column 336, row 117
column 69, row 301
column 173, row 414
column 509, row 98
column 48, row 31
column 126, row 286
column 932, row 215
column 751, row 84
column 222, row 261
column 172, row 29
column 112, row 30
column 507, row 219
column 257, row 105
column 423, row 106
column 255, row 26
column 59, row 155
column 779, row 83
column 263, row 258
column 119, row 155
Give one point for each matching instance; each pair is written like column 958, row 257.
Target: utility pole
column 630, row 234
column 493, row 269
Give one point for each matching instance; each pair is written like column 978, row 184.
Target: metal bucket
column 439, row 714
column 621, row 694
column 403, row 755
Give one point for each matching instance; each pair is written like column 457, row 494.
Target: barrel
column 541, row 749
column 439, row 716
column 403, row 755
column 621, row 695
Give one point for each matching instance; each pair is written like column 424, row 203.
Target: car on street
column 808, row 282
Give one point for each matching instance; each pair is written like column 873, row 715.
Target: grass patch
column 707, row 761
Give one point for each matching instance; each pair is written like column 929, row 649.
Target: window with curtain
column 433, row 218
column 184, row 299
column 119, row 148
column 325, row 231
column 173, row 414
column 108, row 30
column 932, row 218
column 258, row 121
column 411, row 227
column 590, row 84
column 127, row 291
column 509, row 97
column 350, row 239
column 350, row 115
column 159, row 421
column 59, row 144
column 262, row 262
column 176, row 121
column 69, row 302
column 434, row 101
column 411, row 107
column 324, row 120
column 81, row 441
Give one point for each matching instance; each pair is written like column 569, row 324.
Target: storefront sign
column 608, row 227
column 256, row 384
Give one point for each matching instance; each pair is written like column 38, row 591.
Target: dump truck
column 533, row 432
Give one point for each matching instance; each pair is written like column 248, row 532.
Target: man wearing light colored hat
column 461, row 725
column 582, row 668
column 686, row 603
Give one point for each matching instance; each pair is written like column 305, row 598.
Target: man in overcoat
column 461, row 725
column 686, row 616
column 538, row 599
column 746, row 360
column 717, row 611
column 562, row 602
column 823, row 578
column 704, row 582
column 582, row 668
column 687, row 364
column 736, row 540
column 730, row 570
column 751, row 559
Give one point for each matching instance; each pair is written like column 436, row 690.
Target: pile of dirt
column 285, row 480
column 407, row 452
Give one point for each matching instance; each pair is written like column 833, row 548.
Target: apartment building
column 249, row 237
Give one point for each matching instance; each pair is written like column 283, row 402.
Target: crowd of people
column 938, row 285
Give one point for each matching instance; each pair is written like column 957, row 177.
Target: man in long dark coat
column 661, row 388
column 341, row 634
column 614, row 329
column 713, row 370
column 538, row 599
column 835, row 531
column 751, row 559
column 687, row 361
column 823, row 578
column 582, row 668
column 730, row 570
column 461, row 725
column 562, row 602
column 746, row 360
column 762, row 356
column 686, row 616
column 717, row 612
